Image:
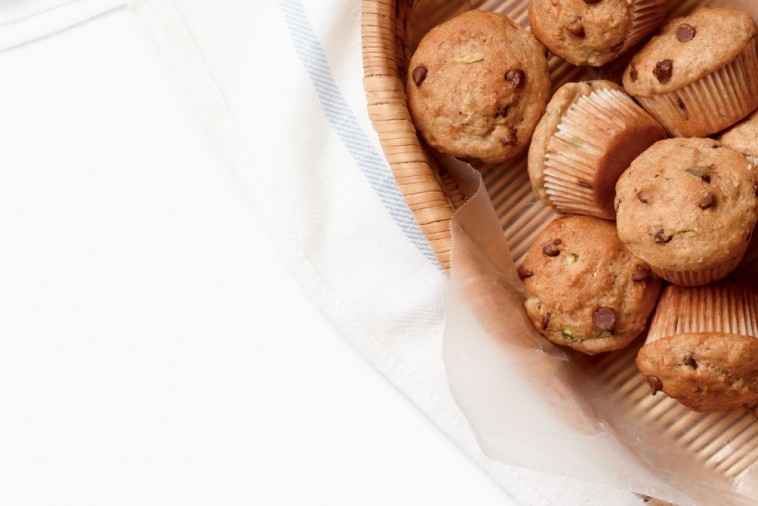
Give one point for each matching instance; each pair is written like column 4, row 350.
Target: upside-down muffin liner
column 595, row 141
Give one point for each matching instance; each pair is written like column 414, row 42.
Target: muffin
column 687, row 207
column 477, row 86
column 702, row 347
column 590, row 133
column 593, row 32
column 743, row 138
column 699, row 75
column 584, row 289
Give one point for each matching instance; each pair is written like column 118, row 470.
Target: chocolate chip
column 511, row 140
column 419, row 74
column 545, row 320
column 643, row 196
column 502, row 112
column 633, row 74
column 576, row 28
column 661, row 237
column 641, row 272
column 604, row 318
column 552, row 249
column 516, row 78
column 654, row 383
column 685, row 32
column 706, row 178
column 524, row 272
column 663, row 70
column 707, row 201
column 591, row 2
column 680, row 104
column 690, row 362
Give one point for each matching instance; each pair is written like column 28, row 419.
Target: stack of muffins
column 655, row 175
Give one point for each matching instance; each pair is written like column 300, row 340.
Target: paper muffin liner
column 646, row 17
column 713, row 102
column 581, row 167
column 701, row 276
column 724, row 308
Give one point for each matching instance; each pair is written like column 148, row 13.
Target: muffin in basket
column 700, row 74
column 702, row 346
column 688, row 208
column 590, row 133
column 743, row 138
column 593, row 32
column 477, row 86
column 584, row 289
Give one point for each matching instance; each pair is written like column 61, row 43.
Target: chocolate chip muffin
column 743, row 138
column 477, row 86
column 688, row 208
column 589, row 134
column 584, row 289
column 702, row 347
column 593, row 32
column 699, row 75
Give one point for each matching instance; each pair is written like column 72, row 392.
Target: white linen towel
column 279, row 84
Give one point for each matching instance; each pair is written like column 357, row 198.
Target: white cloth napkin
column 279, row 84
column 25, row 20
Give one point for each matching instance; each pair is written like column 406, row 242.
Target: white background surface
column 153, row 348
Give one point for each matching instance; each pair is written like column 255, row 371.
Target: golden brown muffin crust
column 687, row 204
column 585, row 290
column 687, row 49
column 477, row 86
column 581, row 32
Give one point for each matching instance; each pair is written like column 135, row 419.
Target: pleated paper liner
column 596, row 140
column 711, row 103
column 703, row 276
column 726, row 443
column 721, row 308
column 646, row 16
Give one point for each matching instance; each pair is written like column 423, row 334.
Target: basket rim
column 382, row 40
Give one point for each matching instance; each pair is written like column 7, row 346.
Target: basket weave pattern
column 726, row 443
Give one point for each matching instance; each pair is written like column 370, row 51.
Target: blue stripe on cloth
column 345, row 124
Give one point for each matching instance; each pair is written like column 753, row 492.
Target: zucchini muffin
column 477, row 86
column 589, row 134
column 584, row 289
column 743, row 138
column 702, row 347
column 699, row 75
column 688, row 207
column 593, row 32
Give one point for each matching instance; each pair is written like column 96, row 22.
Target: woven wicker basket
column 726, row 443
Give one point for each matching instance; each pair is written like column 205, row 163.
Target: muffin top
column 743, row 137
column 687, row 204
column 687, row 49
column 579, row 31
column 584, row 289
column 559, row 104
column 477, row 86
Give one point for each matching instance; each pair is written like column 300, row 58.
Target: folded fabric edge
column 164, row 23
column 50, row 21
